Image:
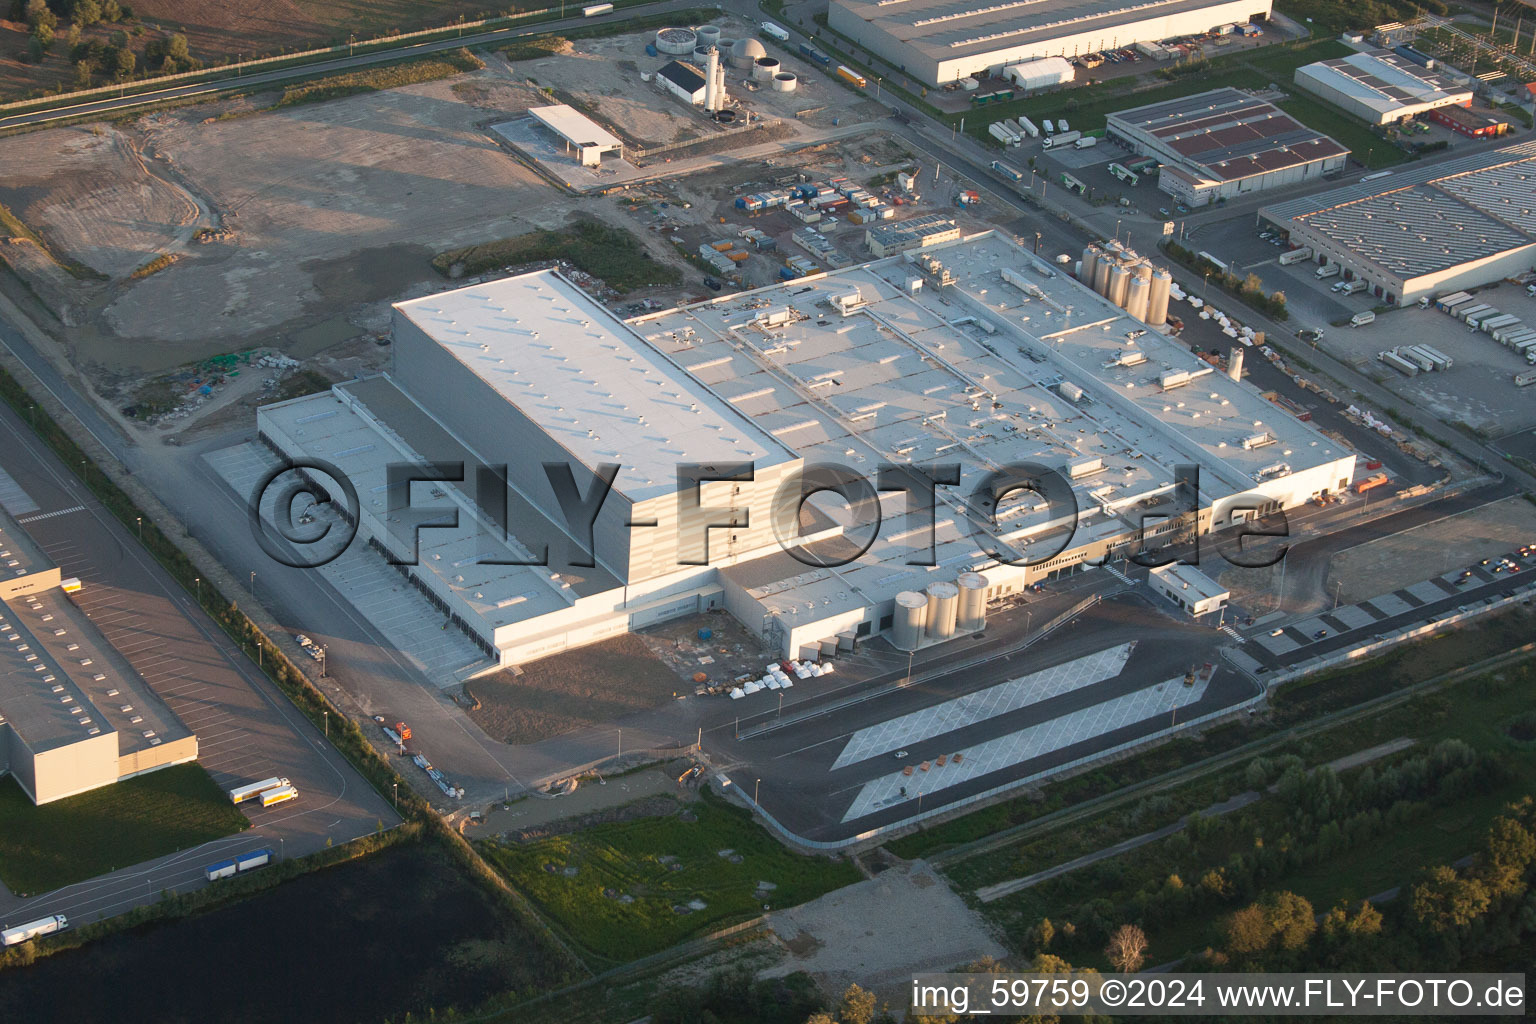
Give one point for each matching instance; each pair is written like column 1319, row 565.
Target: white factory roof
column 1188, row 578
column 575, row 127
column 913, row 378
column 1382, row 80
column 945, row 29
column 1424, row 220
column 589, row 381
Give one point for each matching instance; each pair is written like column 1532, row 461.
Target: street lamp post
column 199, row 581
column 260, row 649
column 140, row 521
column 621, row 745
column 322, row 661
column 757, row 785
column 395, row 788
column 327, row 715
column 253, row 584
column 1337, row 587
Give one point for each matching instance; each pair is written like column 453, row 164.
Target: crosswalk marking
column 1234, row 634
column 50, row 515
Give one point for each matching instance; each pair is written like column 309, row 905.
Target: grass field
column 391, row 76
column 1364, row 145
column 662, row 863
column 42, row 848
column 610, row 253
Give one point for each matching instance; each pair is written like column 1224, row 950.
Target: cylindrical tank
column 1101, row 274
column 714, row 78
column 1136, row 298
column 764, row 68
column 910, row 621
column 676, row 42
column 709, row 35
column 1235, row 363
column 1157, row 301
column 972, row 614
column 1119, row 285
column 945, row 601
column 785, row 81
column 1090, row 261
column 1143, row 271
column 746, row 52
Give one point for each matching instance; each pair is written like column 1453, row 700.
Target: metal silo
column 1101, row 274
column 910, row 620
column 1119, row 285
column 1136, row 298
column 1157, row 300
column 972, row 615
column 945, row 601
column 1090, row 261
column 1142, row 270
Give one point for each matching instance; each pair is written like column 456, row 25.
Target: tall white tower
column 714, row 81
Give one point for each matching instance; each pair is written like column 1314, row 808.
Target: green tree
column 119, row 39
column 1445, row 901
column 1507, row 851
column 43, row 35
column 1290, row 918
column 84, row 69
column 856, row 1007
column 39, row 14
column 124, row 62
column 176, row 48
column 72, row 37
column 87, row 12
column 1247, row 931
column 112, row 11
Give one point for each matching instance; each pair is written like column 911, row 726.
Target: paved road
column 246, row 729
column 208, row 89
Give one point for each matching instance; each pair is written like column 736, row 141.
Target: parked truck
column 807, row 50
column 593, row 10
column 773, row 31
column 1361, row 319
column 1526, row 378
column 243, row 793
column 1085, row 142
column 282, row 794
column 32, row 929
column 1295, row 256
column 1328, row 270
column 1061, row 139
column 1351, row 287
column 236, row 865
column 1370, row 482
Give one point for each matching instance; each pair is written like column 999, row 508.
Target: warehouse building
column 1224, row 143
column 940, row 41
column 590, row 140
column 1381, row 87
column 74, row 715
column 1481, row 124
column 1194, row 592
column 973, row 351
column 894, row 237
column 1423, row 231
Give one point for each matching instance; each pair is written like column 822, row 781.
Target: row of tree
column 1250, row 289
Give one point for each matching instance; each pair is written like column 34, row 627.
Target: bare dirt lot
column 576, row 689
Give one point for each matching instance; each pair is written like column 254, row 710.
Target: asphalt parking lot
column 246, row 729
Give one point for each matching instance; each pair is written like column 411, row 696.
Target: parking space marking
column 1035, row 741
column 983, row 704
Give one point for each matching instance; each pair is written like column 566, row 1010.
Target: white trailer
column 1029, row 127
column 1328, row 270
column 1477, row 314
column 1417, row 358
column 254, row 790
column 282, row 794
column 1399, row 364
column 1086, row 142
column 998, row 132
column 1446, row 303
column 1295, row 256
column 1493, row 323
column 1361, row 319
column 1440, row 359
column 1505, row 334
column 1525, row 379
column 32, row 929
column 773, row 31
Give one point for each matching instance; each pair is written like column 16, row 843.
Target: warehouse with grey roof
column 1424, row 231
column 943, row 41
column 1224, row 143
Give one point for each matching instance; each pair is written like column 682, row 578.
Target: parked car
column 302, row 640
column 1319, row 634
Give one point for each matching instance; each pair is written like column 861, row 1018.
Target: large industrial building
column 973, row 352
column 74, row 715
column 1381, row 87
column 1424, row 231
column 577, row 131
column 1224, row 143
column 941, row 41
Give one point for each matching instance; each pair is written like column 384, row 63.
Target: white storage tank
column 709, row 35
column 765, row 68
column 1157, row 300
column 1090, row 262
column 1119, row 285
column 676, row 42
column 910, row 621
column 972, row 614
column 746, row 52
column 1136, row 298
column 944, row 599
column 785, row 81
column 1101, row 274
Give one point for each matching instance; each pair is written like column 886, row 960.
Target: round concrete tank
column 1136, row 298
column 785, row 81
column 1101, row 273
column 1090, row 261
column 972, row 615
column 764, row 68
column 746, row 52
column 709, row 35
column 702, row 51
column 1157, row 299
column 724, row 45
column 910, row 620
column 1119, row 284
column 676, row 42
column 945, row 601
